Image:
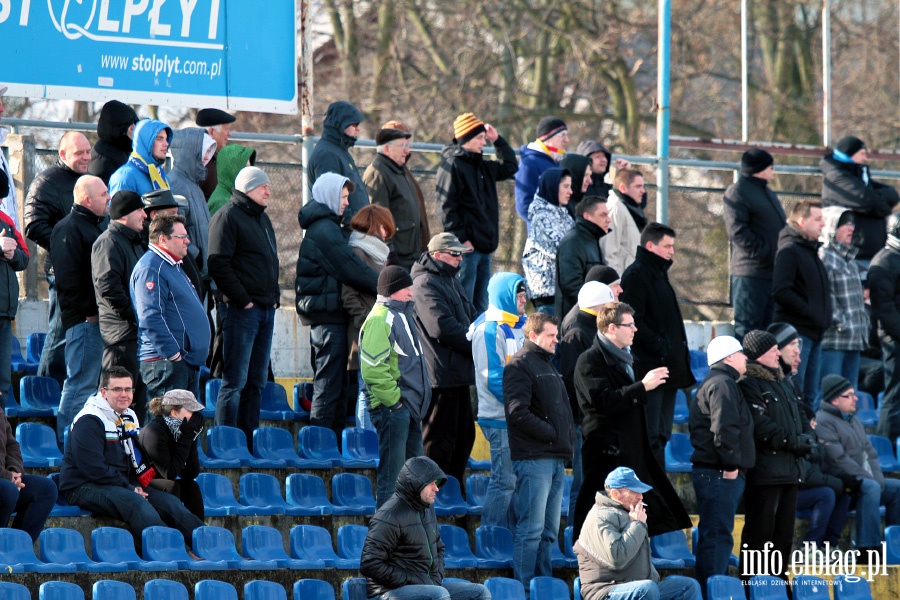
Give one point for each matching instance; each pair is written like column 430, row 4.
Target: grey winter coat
column 185, row 178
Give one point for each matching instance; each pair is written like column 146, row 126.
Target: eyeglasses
column 119, row 390
column 181, row 237
column 848, row 395
column 628, row 325
column 453, row 253
column 402, row 145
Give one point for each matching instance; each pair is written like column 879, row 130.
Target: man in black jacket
column 113, row 257
column 403, row 556
column 884, row 289
column 579, row 250
column 801, row 291
column 340, row 130
column 541, row 440
column 115, row 128
column 243, row 261
column 753, row 218
column 70, row 251
column 660, row 338
column 13, row 259
column 49, row 200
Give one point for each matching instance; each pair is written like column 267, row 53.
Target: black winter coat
column 577, row 334
column 9, row 281
column 403, row 546
column 326, row 262
column 50, row 199
column 70, row 251
column 578, row 251
column 171, row 459
column 113, row 257
column 871, row 203
column 467, row 193
column 721, row 423
column 615, row 435
column 660, row 339
column 443, row 316
column 332, row 153
column 884, row 290
column 538, row 416
column 800, row 285
column 391, row 185
column 114, row 146
column 753, row 218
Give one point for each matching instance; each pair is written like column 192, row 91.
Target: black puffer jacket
column 403, row 546
column 443, row 316
column 800, row 285
column 9, row 281
column 332, row 152
column 70, row 250
column 326, row 262
column 577, row 334
column 113, row 257
column 753, row 218
column 598, row 186
column 721, row 423
column 579, row 250
column 114, row 147
column 884, row 285
column 49, row 200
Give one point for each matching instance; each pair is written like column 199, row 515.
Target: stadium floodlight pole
column 745, row 73
column 662, row 110
column 826, row 72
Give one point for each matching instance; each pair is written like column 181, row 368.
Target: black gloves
column 191, row 428
column 801, row 444
column 851, row 484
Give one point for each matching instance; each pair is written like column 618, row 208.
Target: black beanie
column 833, row 386
column 123, row 203
column 758, row 342
column 603, row 274
column 550, row 126
column 846, row 217
column 850, row 145
column 784, row 333
column 393, row 279
column 755, row 160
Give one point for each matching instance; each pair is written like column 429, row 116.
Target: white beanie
column 722, row 347
column 594, row 293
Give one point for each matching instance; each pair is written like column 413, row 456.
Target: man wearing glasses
column 172, row 326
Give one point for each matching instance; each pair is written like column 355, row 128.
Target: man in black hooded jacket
column 340, row 130
column 115, row 128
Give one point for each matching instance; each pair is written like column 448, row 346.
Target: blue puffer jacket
column 532, row 164
column 131, row 176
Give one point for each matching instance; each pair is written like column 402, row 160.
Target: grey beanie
column 249, row 179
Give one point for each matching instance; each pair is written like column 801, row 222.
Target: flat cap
column 209, row 117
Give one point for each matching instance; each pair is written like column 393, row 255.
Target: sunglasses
column 453, row 253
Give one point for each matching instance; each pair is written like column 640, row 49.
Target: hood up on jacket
column 589, row 147
column 112, row 125
column 548, row 187
column 327, row 190
column 415, row 474
column 145, row 134
column 832, row 215
column 502, row 305
column 338, row 117
column 187, row 153
column 576, row 164
column 229, row 162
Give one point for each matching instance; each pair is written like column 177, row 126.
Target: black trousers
column 448, row 431
column 769, row 512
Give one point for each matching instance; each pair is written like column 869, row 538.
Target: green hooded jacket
column 231, row 159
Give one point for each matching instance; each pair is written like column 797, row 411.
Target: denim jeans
column 6, row 340
column 577, row 475
column 328, row 345
column 868, row 519
column 247, row 344
column 159, row 509
column 717, row 500
column 446, row 591
column 363, row 417
column 53, row 355
column 84, row 358
column 474, row 273
column 399, row 439
column 32, row 504
column 498, row 502
column 808, row 373
column 753, row 305
column 160, row 376
column 889, row 409
column 539, row 489
column 828, row 515
column 660, row 409
column 840, row 362
column 674, row 587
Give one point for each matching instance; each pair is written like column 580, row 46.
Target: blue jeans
column 840, row 362
column 399, row 439
column 32, row 504
column 753, row 305
column 474, row 273
column 809, row 371
column 539, row 489
column 717, row 500
column 889, row 409
column 674, row 587
column 868, row 519
column 446, row 591
column 84, row 358
column 6, row 340
column 363, row 418
column 498, row 502
column 247, row 343
column 577, row 475
column 328, row 345
column 53, row 355
column 163, row 375
column 828, row 514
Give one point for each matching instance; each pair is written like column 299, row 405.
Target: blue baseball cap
column 623, row 477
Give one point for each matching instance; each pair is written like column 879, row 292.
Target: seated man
column 614, row 547
column 848, row 452
column 103, row 471
column 403, row 556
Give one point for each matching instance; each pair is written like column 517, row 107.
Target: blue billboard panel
column 230, row 54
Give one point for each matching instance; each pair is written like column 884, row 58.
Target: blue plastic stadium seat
column 264, row 590
column 318, row 443
column 681, row 408
column 569, row 545
column 314, row 589
column 10, row 406
column 560, row 560
column 217, row 544
column 38, row 445
column 262, row 493
column 359, row 448
column 350, row 540
column 67, row 546
column 449, row 501
column 265, row 543
column 503, row 587
column 476, row 492
column 60, row 590
column 275, row 443
column 810, row 587
column 767, row 587
column 567, row 491
column 212, row 396
column 164, row 589
column 851, row 588
column 892, row 541
column 672, row 546
column 549, row 588
column 16, row 547
column 354, row 589
column 306, row 493
column 457, row 553
column 115, row 545
column 230, row 443
column 733, row 560
column 39, row 396
column 865, row 409
column 493, row 547
column 218, row 496
column 886, row 457
column 167, row 544
column 351, row 494
column 216, row 463
column 14, row 591
column 300, row 393
column 312, row 544
column 678, row 453
column 479, row 465
column 108, row 589
column 699, row 366
column 34, row 345
column 724, row 587
column 18, row 363
column 210, row 589
column 273, row 404
column 576, row 589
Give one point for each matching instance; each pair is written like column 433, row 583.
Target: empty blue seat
column 275, row 443
column 273, row 404
column 457, row 553
column 262, row 493
column 724, row 587
column 449, row 501
column 479, row 465
column 230, row 443
column 559, row 560
column 886, row 457
column 265, row 543
column 733, row 560
column 18, row 364
column 672, row 546
column 217, row 544
column 567, row 491
column 767, row 587
column 39, row 396
column 892, row 541
column 306, row 492
column 354, row 589
column 503, row 587
column 60, row 590
column 210, row 589
column 359, row 448
column 264, row 590
column 115, row 545
column 38, row 445
column 699, row 365
column 212, row 396
column 67, row 546
column 865, row 409
column 108, row 589
column 164, row 589
column 301, row 393
column 318, row 443
column 216, row 463
column 14, row 591
column 549, row 588
column 351, row 494
column 493, row 547
column 218, row 496
column 569, row 544
column 313, row 589
column 678, row 453
column 809, row 587
column 16, row 548
column 476, row 492
column 851, row 587
column 167, row 545
column 681, row 408
column 350, row 540
column 34, row 345
column 312, row 544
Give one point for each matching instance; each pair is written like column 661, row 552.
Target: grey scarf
column 623, row 355
column 371, row 245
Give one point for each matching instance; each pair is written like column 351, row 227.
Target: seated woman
column 170, row 444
